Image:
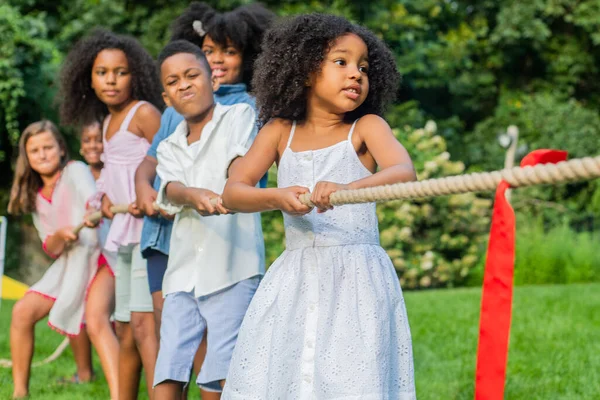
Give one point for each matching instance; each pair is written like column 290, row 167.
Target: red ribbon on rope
column 496, row 301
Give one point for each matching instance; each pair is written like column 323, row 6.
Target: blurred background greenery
column 473, row 67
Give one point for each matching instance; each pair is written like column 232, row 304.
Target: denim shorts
column 184, row 321
column 157, row 266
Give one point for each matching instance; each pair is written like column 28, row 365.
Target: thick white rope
column 565, row 171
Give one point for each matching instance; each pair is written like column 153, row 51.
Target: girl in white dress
column 54, row 191
column 328, row 321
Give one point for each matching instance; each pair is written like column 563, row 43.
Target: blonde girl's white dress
column 68, row 278
column 328, row 320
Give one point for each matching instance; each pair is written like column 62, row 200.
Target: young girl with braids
column 55, row 192
column 112, row 78
column 328, row 321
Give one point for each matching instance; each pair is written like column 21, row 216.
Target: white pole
column 509, row 160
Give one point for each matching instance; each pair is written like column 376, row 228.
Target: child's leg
column 82, row 353
column 200, row 355
column 129, row 358
column 130, row 364
column 224, row 313
column 25, row 314
column 180, row 334
column 100, row 305
column 157, row 266
column 142, row 317
column 144, row 334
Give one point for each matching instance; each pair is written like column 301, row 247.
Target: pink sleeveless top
column 123, row 153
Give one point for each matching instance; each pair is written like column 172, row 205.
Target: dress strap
column 105, row 126
column 130, row 114
column 352, row 130
column 291, row 134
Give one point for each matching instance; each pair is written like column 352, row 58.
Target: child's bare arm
column 144, row 191
column 241, row 193
column 390, row 156
column 56, row 243
column 198, row 198
column 387, row 153
column 147, row 121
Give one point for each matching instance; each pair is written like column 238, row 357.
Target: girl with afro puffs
column 112, row 78
column 328, row 320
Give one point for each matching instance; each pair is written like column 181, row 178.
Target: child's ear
column 166, row 99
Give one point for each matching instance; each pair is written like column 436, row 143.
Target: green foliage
column 28, row 62
column 555, row 255
column 433, row 242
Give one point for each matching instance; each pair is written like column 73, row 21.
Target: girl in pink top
column 55, row 192
column 111, row 77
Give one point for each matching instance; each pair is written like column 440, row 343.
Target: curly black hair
column 295, row 47
column 79, row 104
column 244, row 26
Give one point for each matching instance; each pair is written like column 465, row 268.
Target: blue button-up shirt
column 156, row 233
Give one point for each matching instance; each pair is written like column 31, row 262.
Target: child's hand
column 66, row 235
column 200, row 200
column 86, row 220
column 105, row 208
column 166, row 215
column 321, row 193
column 134, row 210
column 145, row 198
column 288, row 201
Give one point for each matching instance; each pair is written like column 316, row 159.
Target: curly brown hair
column 79, row 104
column 295, row 48
column 244, row 26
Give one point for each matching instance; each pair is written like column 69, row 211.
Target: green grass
column 554, row 353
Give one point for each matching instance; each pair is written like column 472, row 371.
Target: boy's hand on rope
column 288, row 202
column 200, row 200
column 321, row 193
column 105, row 208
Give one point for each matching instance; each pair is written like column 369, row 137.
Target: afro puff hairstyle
column 244, row 26
column 79, row 104
column 295, row 48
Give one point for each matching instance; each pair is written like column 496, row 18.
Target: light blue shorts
column 184, row 321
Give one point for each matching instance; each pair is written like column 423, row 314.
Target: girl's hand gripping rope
column 66, row 235
column 105, row 208
column 322, row 192
column 288, row 200
column 134, row 210
column 89, row 219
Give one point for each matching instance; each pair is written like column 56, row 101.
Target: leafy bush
column 433, row 242
column 550, row 253
column 555, row 255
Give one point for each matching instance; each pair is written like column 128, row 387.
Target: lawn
column 554, row 353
